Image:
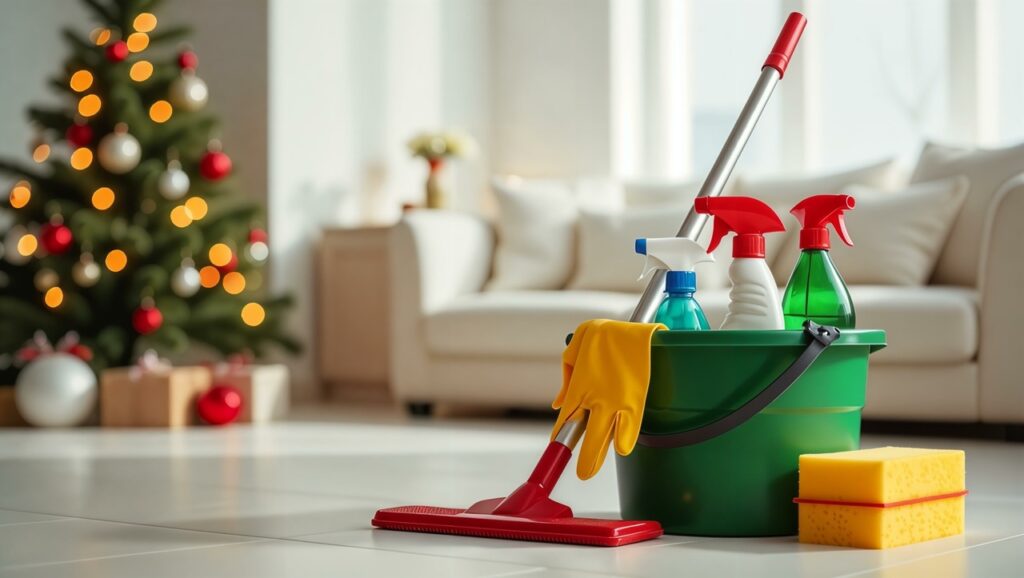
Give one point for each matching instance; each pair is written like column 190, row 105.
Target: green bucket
column 704, row 468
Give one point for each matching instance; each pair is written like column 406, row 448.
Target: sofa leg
column 420, row 409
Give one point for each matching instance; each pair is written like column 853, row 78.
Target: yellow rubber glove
column 606, row 370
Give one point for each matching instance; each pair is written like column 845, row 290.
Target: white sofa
column 953, row 351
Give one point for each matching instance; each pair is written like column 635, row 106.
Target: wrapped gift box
column 264, row 388
column 156, row 397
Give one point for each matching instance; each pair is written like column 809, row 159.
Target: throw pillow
column 897, row 236
column 986, row 170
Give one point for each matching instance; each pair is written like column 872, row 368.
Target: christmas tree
column 125, row 226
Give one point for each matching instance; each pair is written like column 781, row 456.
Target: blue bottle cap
column 640, row 246
column 681, row 282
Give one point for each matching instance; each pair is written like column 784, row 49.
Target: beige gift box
column 264, row 388
column 159, row 397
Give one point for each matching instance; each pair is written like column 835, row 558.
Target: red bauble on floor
column 221, row 404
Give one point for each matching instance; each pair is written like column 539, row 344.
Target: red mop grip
column 782, row 52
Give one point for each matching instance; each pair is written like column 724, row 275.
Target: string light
column 197, row 206
column 21, row 194
column 27, row 244
column 54, row 297
column 234, row 283
column 137, row 41
column 253, row 314
column 81, row 80
column 89, row 105
column 141, row 71
column 103, row 198
column 144, row 22
column 181, row 217
column 160, row 111
column 81, row 158
column 116, row 260
column 220, row 254
column 209, row 276
column 100, row 36
column 41, row 152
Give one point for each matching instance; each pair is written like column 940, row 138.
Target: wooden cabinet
column 352, row 300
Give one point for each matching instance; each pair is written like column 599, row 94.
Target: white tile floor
column 295, row 499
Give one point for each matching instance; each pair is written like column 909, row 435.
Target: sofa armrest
column 435, row 257
column 1001, row 289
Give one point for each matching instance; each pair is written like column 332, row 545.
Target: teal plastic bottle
column 816, row 290
column 679, row 311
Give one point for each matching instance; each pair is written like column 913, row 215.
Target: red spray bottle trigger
column 748, row 217
column 816, row 213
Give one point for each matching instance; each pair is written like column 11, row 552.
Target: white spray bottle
column 679, row 310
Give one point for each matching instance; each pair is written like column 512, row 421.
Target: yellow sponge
column 882, row 497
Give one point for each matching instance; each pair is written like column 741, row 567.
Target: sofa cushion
column 923, row 324
column 519, row 323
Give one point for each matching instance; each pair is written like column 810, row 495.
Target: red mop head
column 526, row 514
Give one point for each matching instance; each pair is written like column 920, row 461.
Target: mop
column 529, row 513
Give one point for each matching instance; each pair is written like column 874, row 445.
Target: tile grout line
column 930, row 556
column 131, row 555
column 58, row 519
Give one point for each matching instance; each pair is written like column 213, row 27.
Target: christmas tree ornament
column 147, row 318
column 174, row 182
column 258, row 251
column 56, row 389
column 230, row 266
column 86, row 272
column 119, row 152
column 56, row 237
column 18, row 248
column 185, row 279
column 188, row 91
column 188, row 60
column 257, row 235
column 117, row 51
column 219, row 405
column 79, row 134
column 215, row 165
column 45, row 278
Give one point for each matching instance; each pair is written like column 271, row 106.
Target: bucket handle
column 821, row 337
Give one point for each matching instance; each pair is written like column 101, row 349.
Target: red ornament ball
column 215, row 165
column 257, row 236
column 117, row 51
column 147, row 319
column 221, row 404
column 56, row 238
column 79, row 135
column 188, row 60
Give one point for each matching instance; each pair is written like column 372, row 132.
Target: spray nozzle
column 672, row 253
column 816, row 213
column 748, row 217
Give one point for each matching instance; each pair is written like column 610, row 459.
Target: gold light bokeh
column 181, row 217
column 234, row 283
column 81, row 80
column 144, row 22
column 100, row 36
column 160, row 111
column 89, row 105
column 27, row 244
column 54, row 297
column 197, row 206
column 21, row 194
column 141, row 71
column 81, row 158
column 253, row 314
column 103, row 198
column 41, row 152
column 220, row 254
column 137, row 41
column 116, row 260
column 209, row 276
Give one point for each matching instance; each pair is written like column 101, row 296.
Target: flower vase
column 437, row 197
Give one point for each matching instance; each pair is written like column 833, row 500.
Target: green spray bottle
column 816, row 290
column 679, row 311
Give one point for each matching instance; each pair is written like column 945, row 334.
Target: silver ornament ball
column 45, row 278
column 86, row 273
column 189, row 92
column 185, row 281
column 56, row 390
column 119, row 152
column 173, row 183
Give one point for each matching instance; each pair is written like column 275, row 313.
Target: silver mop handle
column 771, row 73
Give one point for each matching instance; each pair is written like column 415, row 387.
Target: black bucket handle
column 821, row 337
